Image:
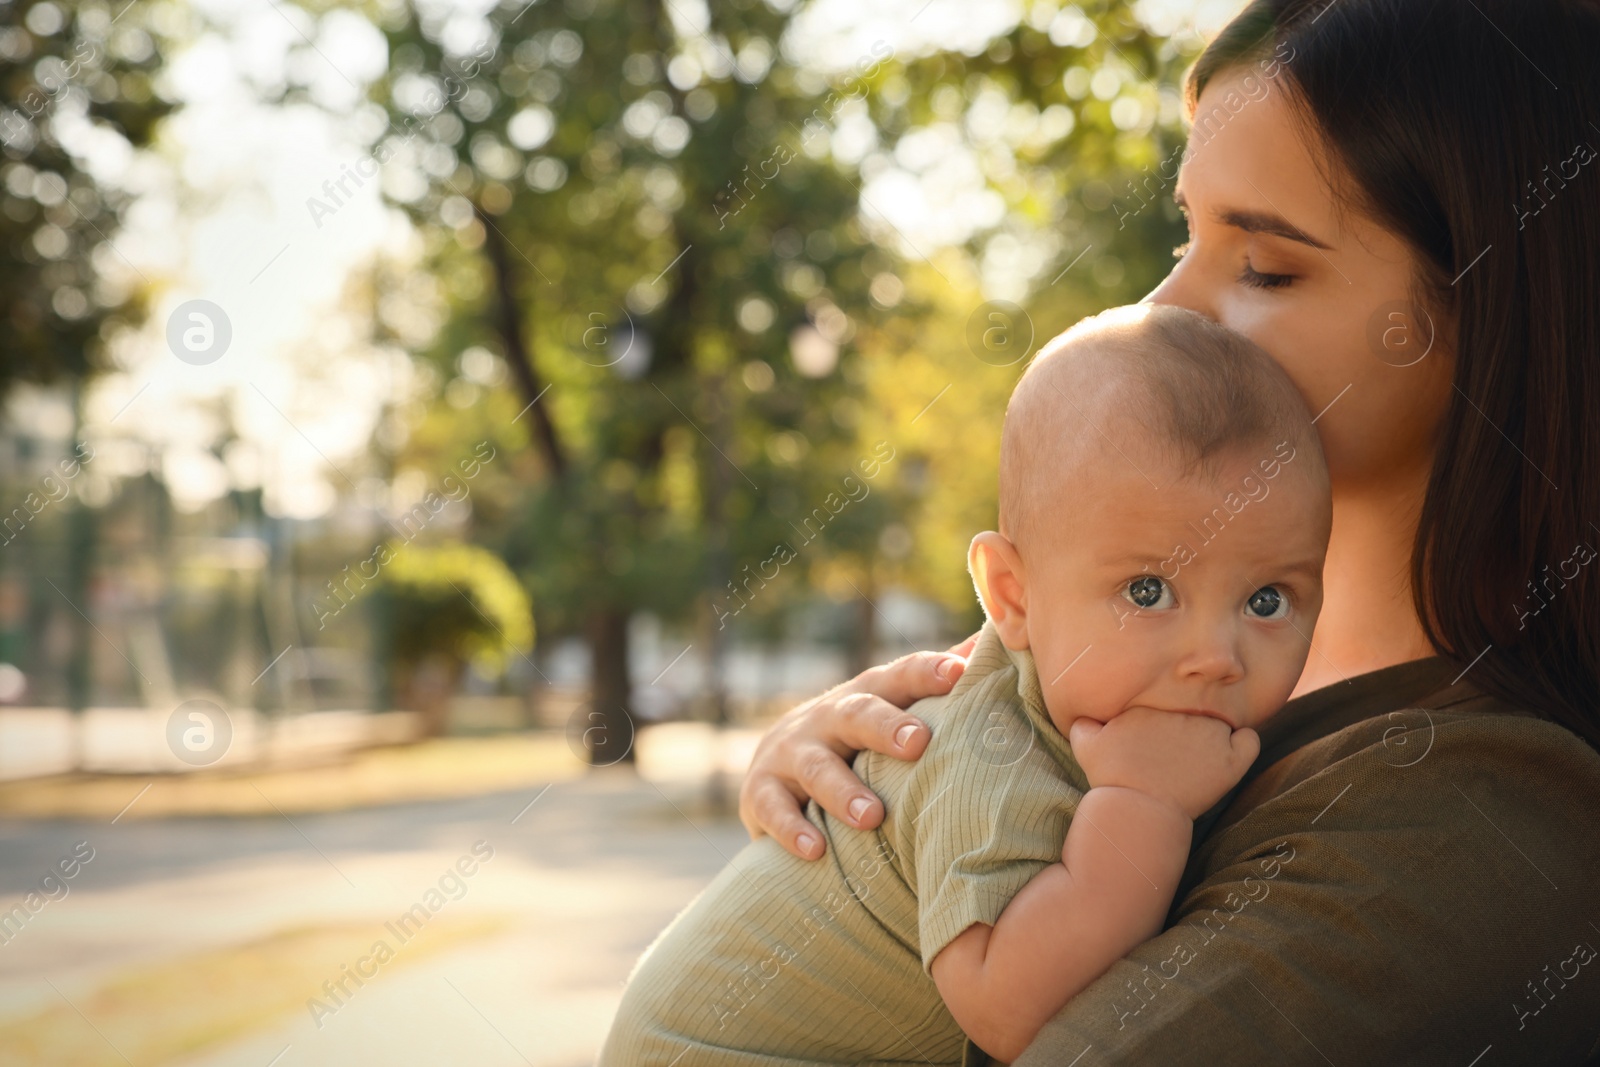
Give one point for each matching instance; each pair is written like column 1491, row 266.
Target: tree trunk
column 80, row 559
column 609, row 732
column 508, row 323
column 862, row 648
column 519, row 360
column 428, row 687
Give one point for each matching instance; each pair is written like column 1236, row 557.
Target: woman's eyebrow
column 1267, row 222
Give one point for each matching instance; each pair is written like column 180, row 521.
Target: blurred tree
column 643, row 216
column 445, row 606
column 73, row 82
column 1074, row 121
column 71, row 72
column 1074, row 118
column 652, row 220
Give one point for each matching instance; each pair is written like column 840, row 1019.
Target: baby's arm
column 1151, row 774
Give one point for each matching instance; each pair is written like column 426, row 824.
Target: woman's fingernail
column 903, row 736
column 858, row 808
column 804, row 843
column 946, row 670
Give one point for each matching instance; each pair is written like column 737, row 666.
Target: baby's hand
column 1189, row 761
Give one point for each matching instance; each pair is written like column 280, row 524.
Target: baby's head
column 1164, row 514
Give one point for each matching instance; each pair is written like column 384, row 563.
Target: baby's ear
column 1002, row 585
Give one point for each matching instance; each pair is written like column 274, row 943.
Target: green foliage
column 1073, row 111
column 1076, row 116
column 694, row 216
column 65, row 60
column 707, row 215
column 457, row 601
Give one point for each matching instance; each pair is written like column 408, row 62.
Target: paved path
column 582, row 880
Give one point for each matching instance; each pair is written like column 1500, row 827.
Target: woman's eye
column 1148, row 593
column 1268, row 603
column 1257, row 280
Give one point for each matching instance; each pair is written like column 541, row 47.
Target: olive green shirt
column 1409, row 874
column 786, row 962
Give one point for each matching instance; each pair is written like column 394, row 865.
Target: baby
column 1150, row 594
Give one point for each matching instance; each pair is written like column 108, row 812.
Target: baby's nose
column 1214, row 655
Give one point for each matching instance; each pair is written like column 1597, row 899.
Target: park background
column 445, row 430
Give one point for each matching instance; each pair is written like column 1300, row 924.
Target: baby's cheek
column 1091, row 657
column 1090, row 683
column 1119, row 613
column 1271, row 686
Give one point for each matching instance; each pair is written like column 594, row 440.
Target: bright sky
column 221, row 215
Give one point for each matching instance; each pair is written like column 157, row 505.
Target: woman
column 1409, row 221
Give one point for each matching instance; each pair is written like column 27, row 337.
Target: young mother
column 1409, row 221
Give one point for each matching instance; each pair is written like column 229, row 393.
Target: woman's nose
column 1183, row 287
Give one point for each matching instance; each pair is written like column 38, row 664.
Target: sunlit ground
column 208, row 940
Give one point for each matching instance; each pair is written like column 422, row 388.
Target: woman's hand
column 805, row 755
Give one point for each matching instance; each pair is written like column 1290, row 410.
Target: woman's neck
column 1368, row 620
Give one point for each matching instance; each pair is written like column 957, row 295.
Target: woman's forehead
column 1250, row 155
column 1258, row 169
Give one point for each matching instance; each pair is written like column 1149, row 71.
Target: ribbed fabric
column 783, row 963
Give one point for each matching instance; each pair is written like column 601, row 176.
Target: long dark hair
column 1471, row 130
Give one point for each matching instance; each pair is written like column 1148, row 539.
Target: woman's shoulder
column 1437, row 750
column 1551, row 766
column 1409, row 727
column 1395, row 716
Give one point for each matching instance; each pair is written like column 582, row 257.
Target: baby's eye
column 1148, row 593
column 1268, row 603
